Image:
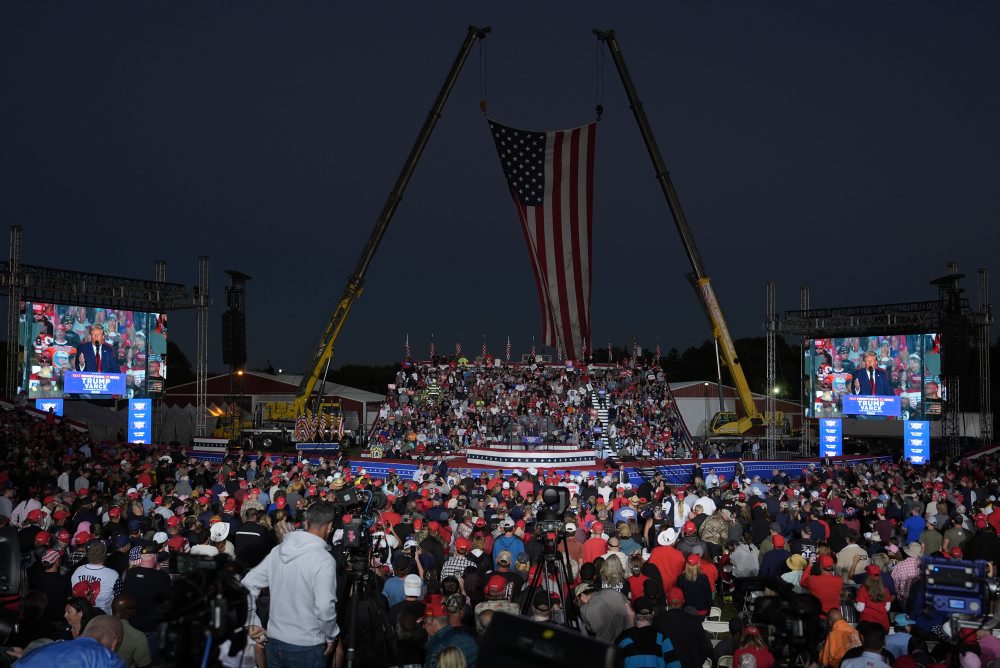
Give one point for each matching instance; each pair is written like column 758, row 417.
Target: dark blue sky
column 851, row 147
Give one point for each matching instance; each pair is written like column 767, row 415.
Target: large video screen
column 910, row 371
column 92, row 353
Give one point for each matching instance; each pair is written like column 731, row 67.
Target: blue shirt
column 393, row 591
column 79, row 653
column 914, row 525
column 513, row 544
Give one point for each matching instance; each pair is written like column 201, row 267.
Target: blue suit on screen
column 109, row 361
column 882, row 386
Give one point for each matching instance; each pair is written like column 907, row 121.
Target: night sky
column 852, row 147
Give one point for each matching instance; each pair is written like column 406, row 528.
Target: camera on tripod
column 549, row 518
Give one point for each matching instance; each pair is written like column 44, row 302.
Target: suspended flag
column 433, row 352
column 551, row 178
column 458, row 348
column 583, row 354
column 658, row 354
column 406, row 348
column 559, row 355
column 508, row 348
column 533, row 353
column 610, row 356
column 635, row 349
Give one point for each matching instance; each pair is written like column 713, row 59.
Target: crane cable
column 483, row 103
column 599, row 83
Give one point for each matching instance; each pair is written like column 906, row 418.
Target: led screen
column 61, row 358
column 911, row 363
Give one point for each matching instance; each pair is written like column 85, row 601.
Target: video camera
column 362, row 506
column 554, row 502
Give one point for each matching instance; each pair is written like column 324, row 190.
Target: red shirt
column 593, row 548
column 764, row 658
column 874, row 612
column 825, row 587
column 670, row 562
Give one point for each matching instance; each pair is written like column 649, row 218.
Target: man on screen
column 97, row 355
column 870, row 379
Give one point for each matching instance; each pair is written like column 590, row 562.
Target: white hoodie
column 302, row 576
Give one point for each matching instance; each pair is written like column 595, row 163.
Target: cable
column 483, row 104
column 208, row 649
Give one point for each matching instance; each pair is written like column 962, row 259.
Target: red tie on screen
column 97, row 352
column 872, row 373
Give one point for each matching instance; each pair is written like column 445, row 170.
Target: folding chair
column 715, row 629
column 715, row 614
column 726, row 661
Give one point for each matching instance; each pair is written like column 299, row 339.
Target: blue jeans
column 282, row 655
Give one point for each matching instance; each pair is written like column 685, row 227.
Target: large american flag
column 551, row 177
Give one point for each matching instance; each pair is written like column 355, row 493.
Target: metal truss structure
column 951, row 313
column 23, row 282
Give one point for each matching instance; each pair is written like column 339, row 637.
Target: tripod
column 557, row 563
column 361, row 592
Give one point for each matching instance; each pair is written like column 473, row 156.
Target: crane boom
column 724, row 422
column 324, row 350
column 355, row 283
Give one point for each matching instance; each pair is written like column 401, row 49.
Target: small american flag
column 658, row 353
column 458, row 348
column 508, row 349
column 610, row 356
column 433, row 351
column 485, row 351
column 635, row 349
column 533, row 349
column 559, row 355
column 406, row 348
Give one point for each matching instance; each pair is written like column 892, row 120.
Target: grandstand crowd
column 654, row 568
column 448, row 405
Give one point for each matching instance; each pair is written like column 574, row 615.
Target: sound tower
column 234, row 338
column 955, row 347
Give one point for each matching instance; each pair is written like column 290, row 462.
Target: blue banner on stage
column 86, row 382
column 140, row 421
column 917, row 441
column 831, row 437
column 871, row 405
column 46, row 405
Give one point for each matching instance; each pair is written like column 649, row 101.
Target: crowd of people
column 447, row 405
column 102, row 530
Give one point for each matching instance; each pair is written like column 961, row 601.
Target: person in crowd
column 300, row 570
column 752, row 650
column 642, row 645
column 94, row 647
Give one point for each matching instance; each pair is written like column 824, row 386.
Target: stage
column 676, row 471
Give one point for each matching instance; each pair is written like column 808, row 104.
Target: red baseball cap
column 34, row 515
column 174, row 521
column 43, row 538
column 693, row 559
column 690, row 528
column 176, row 543
column 115, row 512
column 778, row 541
column 63, row 536
column 826, row 562
column 462, row 544
column 495, row 585
column 675, row 595
column 434, row 609
column 60, row 515
column 230, row 505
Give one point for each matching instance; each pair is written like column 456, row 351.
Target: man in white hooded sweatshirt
column 302, row 574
